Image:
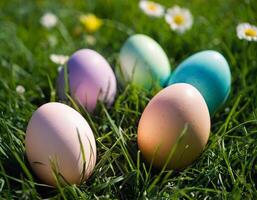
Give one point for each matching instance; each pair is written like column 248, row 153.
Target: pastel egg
column 143, row 62
column 59, row 140
column 174, row 127
column 90, row 79
column 209, row 72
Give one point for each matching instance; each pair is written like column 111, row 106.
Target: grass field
column 227, row 169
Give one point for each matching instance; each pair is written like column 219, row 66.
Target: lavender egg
column 90, row 79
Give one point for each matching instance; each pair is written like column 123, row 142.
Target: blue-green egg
column 209, row 72
column 143, row 62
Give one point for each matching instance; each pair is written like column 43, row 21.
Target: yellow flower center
column 152, row 7
column 250, row 32
column 179, row 19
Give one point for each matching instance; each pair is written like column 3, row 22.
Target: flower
column 151, row 8
column 20, row 89
column 90, row 22
column 179, row 19
column 49, row 20
column 247, row 31
column 59, row 59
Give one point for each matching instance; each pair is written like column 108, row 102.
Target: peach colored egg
column 174, row 127
column 56, row 137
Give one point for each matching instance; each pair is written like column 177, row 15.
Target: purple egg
column 90, row 79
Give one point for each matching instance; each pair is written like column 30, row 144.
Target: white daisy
column 59, row 59
column 246, row 31
column 179, row 19
column 151, row 8
column 49, row 20
column 20, row 89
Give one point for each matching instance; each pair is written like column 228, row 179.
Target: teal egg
column 209, row 72
column 143, row 62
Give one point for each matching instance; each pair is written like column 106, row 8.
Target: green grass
column 227, row 168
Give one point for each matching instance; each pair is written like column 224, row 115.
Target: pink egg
column 56, row 139
column 90, row 79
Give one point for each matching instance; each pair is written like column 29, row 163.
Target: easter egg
column 90, row 79
column 209, row 72
column 174, row 127
column 143, row 62
column 59, row 141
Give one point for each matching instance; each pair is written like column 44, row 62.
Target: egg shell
column 177, row 108
column 90, row 79
column 52, row 143
column 143, row 62
column 209, row 72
